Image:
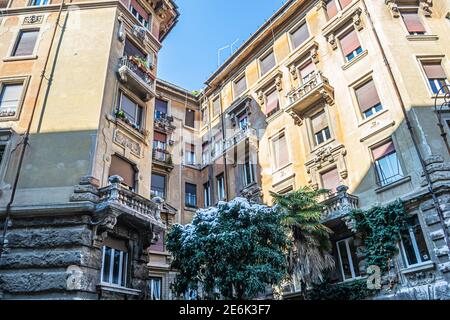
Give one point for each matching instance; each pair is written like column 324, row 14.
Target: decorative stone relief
column 425, row 6
column 315, row 55
column 420, row 278
column 121, row 33
column 357, row 20
column 297, row 119
column 293, row 71
column 393, row 8
column 34, row 19
column 140, row 33
column 332, row 41
column 279, row 83
column 261, row 97
column 126, row 142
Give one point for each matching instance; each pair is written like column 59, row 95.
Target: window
column 272, row 103
column 155, row 288
column 207, row 194
column 413, row 23
column 347, row 259
column 280, row 151
column 240, row 86
column 350, row 45
column 220, row 187
column 115, row 264
column 139, row 13
column 10, row 95
column 3, row 4
column 320, row 128
column 437, row 79
column 158, row 186
column 387, row 164
column 248, row 172
column 243, row 121
column 413, row 243
column 161, row 108
column 133, row 112
column 26, row 43
column 205, row 153
column 307, row 71
column 160, row 146
column 190, row 154
column 330, row 180
column 218, row 144
column 368, row 99
column 132, row 50
column 190, row 118
column 40, row 2
column 205, row 116
column 299, row 35
column 216, row 107
column 124, row 169
column 333, row 6
column 267, row 63
column 191, row 195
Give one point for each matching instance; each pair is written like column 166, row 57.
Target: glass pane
column 129, row 107
column 106, row 264
column 124, row 269
column 116, row 262
column 345, row 263
column 10, row 95
column 389, row 169
column 408, row 248
column 354, row 258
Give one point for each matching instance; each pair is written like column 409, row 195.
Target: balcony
column 339, row 205
column 164, row 122
column 240, row 136
column 137, row 76
column 163, row 159
column 306, row 95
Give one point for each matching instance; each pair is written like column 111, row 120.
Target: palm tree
column 309, row 256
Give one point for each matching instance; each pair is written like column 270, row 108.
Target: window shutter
column 281, row 151
column 367, row 96
column 190, row 118
column 216, row 106
column 306, row 69
column 330, row 180
column 139, row 9
column 300, row 35
column 272, row 101
column 345, row 3
column 10, row 96
column 160, row 137
column 331, row 9
column 319, row 122
column 267, row 63
column 412, row 22
column 26, row 43
column 240, row 86
column 161, row 106
column 434, row 70
column 122, row 168
column 383, row 150
column 350, row 42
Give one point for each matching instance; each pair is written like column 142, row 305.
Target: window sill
column 128, row 128
column 393, row 184
column 189, row 127
column 191, row 209
column 20, row 58
column 118, row 289
column 348, row 64
column 424, row 266
column 275, row 115
column 372, row 117
column 422, row 37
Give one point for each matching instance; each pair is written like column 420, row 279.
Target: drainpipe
column 222, row 120
column 410, row 128
column 26, row 138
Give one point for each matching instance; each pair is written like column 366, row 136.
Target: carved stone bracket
column 393, row 8
column 357, row 22
column 121, row 33
column 332, row 41
column 261, row 96
column 140, row 33
column 425, row 6
column 315, row 55
column 279, row 83
column 297, row 119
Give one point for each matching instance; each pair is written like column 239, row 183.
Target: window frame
column 15, row 43
column 151, row 281
column 15, row 81
column 361, row 84
column 149, row 22
column 221, row 192
column 190, row 156
column 187, row 202
column 30, row 3
column 433, row 59
column 294, row 29
column 350, row 259
column 219, row 98
column 189, row 110
column 263, row 57
column 235, row 81
column 251, row 167
column 412, row 9
column 378, row 179
column 207, row 194
column 275, row 163
column 344, row 32
column 267, row 93
column 123, row 262
column 168, row 108
column 165, row 184
column 132, row 97
column 413, row 239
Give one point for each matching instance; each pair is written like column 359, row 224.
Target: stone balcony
column 163, row 159
column 339, row 204
column 164, row 122
column 247, row 134
column 137, row 77
column 308, row 94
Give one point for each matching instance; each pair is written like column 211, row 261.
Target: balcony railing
column 316, row 88
column 116, row 194
column 239, row 136
column 340, row 204
column 163, row 157
column 138, row 76
column 164, row 122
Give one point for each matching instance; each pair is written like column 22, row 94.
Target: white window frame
column 411, row 9
column 123, row 262
column 346, row 31
column 207, row 194
column 30, row 3
column 152, row 280
column 248, row 166
column 16, row 43
column 239, row 78
column 349, row 254
column 432, row 59
column 137, row 16
column 220, row 187
column 138, row 105
column 264, row 56
column 294, row 29
column 415, row 248
column 275, row 164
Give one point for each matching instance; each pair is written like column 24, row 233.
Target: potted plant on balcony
column 120, row 114
column 141, row 63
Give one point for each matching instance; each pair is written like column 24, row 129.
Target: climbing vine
column 381, row 228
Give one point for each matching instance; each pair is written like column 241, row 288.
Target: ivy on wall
column 381, row 228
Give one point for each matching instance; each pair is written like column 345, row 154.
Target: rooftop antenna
column 218, row 54
column 231, row 46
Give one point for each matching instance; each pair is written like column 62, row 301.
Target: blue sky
column 189, row 53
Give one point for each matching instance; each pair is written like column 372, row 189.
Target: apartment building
column 339, row 95
column 77, row 92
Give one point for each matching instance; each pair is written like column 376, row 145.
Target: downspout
column 27, row 133
column 410, row 129
column 224, row 157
